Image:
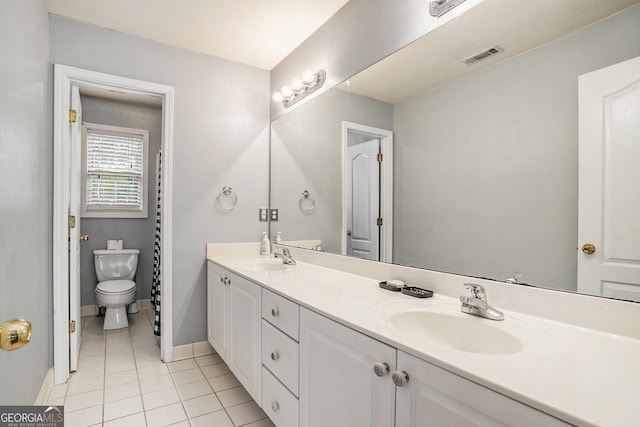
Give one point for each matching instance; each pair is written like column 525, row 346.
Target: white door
column 74, row 232
column 217, row 309
column 338, row 384
column 245, row 329
column 363, row 200
column 609, row 173
column 435, row 397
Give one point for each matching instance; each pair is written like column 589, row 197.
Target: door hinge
column 73, row 116
column 379, row 157
column 72, row 221
column 72, row 326
column 379, row 222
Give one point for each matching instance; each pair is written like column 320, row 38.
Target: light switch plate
column 263, row 214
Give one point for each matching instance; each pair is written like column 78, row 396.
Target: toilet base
column 133, row 308
column 115, row 318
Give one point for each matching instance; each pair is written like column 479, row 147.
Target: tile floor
column 121, row 381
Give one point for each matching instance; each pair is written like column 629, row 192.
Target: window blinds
column 114, row 170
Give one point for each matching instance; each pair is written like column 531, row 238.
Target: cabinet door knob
column 275, row 406
column 400, row 378
column 275, row 312
column 381, row 369
column 275, row 356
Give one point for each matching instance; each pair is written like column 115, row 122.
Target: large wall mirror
column 480, row 165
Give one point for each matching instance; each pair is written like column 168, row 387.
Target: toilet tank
column 115, row 264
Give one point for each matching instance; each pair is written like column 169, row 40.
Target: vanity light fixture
column 300, row 87
column 438, row 8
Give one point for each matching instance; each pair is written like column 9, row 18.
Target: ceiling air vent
column 494, row 50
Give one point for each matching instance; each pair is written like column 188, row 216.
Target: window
column 114, row 179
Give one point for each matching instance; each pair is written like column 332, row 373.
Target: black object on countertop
column 417, row 292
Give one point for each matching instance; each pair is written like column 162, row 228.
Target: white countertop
column 580, row 375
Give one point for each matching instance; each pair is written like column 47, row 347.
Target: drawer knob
column 275, row 406
column 381, row 369
column 275, row 356
column 400, row 378
column 275, row 312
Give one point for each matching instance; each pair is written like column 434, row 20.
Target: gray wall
column 137, row 233
column 306, row 152
column 487, row 166
column 26, row 173
column 220, row 138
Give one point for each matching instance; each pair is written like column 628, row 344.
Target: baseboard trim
column 90, row 310
column 47, row 385
column 187, row 351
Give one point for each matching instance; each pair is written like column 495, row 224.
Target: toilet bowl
column 116, row 289
column 115, row 296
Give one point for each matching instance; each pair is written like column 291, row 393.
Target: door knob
column 588, row 248
column 14, row 334
column 348, row 232
column 84, row 237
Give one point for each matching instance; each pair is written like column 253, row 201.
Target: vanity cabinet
column 307, row 370
column 338, row 384
column 234, row 325
column 280, row 359
column 435, row 397
column 343, row 381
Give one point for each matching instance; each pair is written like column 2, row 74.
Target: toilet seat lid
column 115, row 286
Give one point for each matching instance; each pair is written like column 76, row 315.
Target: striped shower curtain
column 155, row 287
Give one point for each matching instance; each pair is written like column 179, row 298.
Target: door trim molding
column 386, row 186
column 64, row 77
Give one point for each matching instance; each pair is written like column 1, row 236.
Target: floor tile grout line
column 182, row 401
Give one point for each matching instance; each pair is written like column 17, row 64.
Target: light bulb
column 286, row 91
column 277, row 97
column 308, row 76
column 297, row 84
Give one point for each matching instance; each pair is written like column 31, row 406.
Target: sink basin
column 263, row 265
column 461, row 332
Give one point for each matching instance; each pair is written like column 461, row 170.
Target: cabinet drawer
column 277, row 402
column 280, row 356
column 281, row 313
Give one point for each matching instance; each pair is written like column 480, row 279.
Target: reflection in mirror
column 485, row 156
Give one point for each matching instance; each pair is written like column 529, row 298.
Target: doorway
column 65, row 284
column 367, row 192
column 608, row 202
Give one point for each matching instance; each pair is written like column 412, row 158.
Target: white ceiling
column 515, row 25
column 259, row 33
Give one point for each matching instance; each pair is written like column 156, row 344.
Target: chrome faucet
column 286, row 256
column 477, row 305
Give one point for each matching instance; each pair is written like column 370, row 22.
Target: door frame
column 386, row 185
column 64, row 77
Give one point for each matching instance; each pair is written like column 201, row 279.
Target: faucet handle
column 476, row 290
column 285, row 252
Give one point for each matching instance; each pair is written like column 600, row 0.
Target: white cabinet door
column 435, row 397
column 244, row 333
column 338, row 386
column 217, row 307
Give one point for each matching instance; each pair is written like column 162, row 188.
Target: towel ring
column 307, row 203
column 226, row 200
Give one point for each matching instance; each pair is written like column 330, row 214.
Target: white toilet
column 116, row 289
